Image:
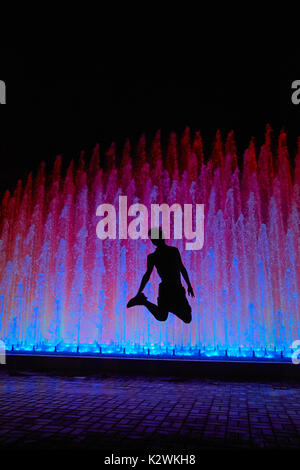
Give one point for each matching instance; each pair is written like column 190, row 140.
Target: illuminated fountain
column 63, row 289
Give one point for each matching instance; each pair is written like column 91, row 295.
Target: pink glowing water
column 60, row 284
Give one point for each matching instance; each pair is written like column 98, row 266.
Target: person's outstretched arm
column 186, row 277
column 147, row 274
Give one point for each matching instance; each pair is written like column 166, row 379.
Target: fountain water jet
column 62, row 287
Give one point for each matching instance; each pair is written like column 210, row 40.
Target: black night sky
column 48, row 115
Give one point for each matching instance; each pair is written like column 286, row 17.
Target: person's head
column 156, row 235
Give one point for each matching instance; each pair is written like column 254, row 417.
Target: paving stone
column 114, row 410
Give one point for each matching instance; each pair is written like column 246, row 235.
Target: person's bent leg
column 159, row 314
column 185, row 314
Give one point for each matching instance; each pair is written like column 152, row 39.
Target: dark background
column 47, row 114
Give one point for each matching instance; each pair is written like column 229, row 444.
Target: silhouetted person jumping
column 171, row 296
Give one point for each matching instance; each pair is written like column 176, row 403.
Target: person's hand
column 190, row 291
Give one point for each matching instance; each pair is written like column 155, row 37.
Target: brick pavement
column 128, row 412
